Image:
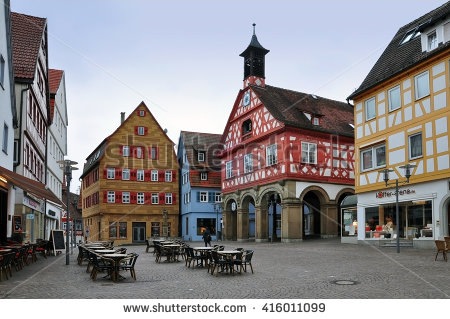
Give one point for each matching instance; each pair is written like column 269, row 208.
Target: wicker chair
column 100, row 265
column 440, row 246
column 128, row 264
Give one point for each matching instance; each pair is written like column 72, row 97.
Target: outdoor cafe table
column 105, row 251
column 203, row 253
column 229, row 254
column 172, row 248
column 117, row 258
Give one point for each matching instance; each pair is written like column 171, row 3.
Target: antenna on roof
column 254, row 25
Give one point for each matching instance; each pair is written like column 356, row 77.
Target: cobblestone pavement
column 308, row 269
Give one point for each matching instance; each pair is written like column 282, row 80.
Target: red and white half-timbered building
column 288, row 160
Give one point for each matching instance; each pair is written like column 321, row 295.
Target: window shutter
column 118, row 173
column 118, row 197
column 133, row 174
column 121, row 150
column 157, row 153
column 145, row 130
column 174, row 198
column 133, row 197
column 147, row 198
column 174, row 175
column 147, row 175
column 162, row 198
column 105, row 196
column 210, row 197
column 136, row 130
column 198, row 196
column 105, row 173
column 161, row 176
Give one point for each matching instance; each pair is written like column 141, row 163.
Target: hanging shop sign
column 31, row 203
column 387, row 194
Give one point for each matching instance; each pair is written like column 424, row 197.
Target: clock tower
column 254, row 57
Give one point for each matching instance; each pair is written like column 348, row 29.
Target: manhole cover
column 344, row 282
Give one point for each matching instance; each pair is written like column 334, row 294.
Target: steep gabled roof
column 289, row 107
column 27, row 32
column 398, row 57
column 54, row 80
column 207, row 142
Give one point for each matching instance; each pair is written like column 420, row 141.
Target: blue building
column 200, row 188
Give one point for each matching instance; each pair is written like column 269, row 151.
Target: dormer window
column 410, row 35
column 315, row 121
column 432, row 42
column 246, row 127
column 201, row 156
column 204, row 176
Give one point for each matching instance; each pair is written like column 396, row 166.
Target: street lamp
column 386, row 172
column 66, row 165
column 217, row 207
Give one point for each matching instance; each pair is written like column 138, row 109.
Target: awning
column 30, row 186
column 349, row 201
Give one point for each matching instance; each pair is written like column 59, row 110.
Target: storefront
column 349, row 220
column 423, row 212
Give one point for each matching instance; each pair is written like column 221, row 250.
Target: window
column 204, row 197
column 410, row 35
column 119, row 229
column 271, row 154
column 154, row 153
column 315, row 121
column 415, row 145
column 394, row 98
column 168, row 176
column 203, row 176
column 432, row 41
column 2, row 71
column 201, row 156
column 138, row 152
column 218, row 197
column 110, row 173
column 141, row 113
column 246, row 127
column 422, row 85
column 125, row 197
column 140, row 175
column 5, row 138
column 370, row 109
column 111, row 197
column 155, row 199
column 187, row 197
column 309, row 153
column 140, row 198
column 248, row 163
column 154, row 175
column 155, row 229
column 229, row 169
column 126, row 174
column 141, row 130
column 126, row 150
column 169, row 198
column 373, row 157
column 206, row 223
column 185, row 178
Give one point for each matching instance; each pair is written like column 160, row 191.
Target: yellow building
column 402, row 114
column 129, row 183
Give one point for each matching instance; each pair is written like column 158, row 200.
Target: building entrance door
column 138, row 232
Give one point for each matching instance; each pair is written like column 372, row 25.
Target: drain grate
column 344, row 282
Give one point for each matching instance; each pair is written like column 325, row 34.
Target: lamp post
column 217, row 207
column 66, row 165
column 386, row 172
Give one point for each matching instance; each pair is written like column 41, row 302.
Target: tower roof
column 254, row 44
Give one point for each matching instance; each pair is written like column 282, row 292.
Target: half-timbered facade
column 402, row 117
column 129, row 183
column 200, row 194
column 288, row 160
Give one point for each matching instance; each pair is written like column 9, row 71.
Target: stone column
column 261, row 224
column 227, row 225
column 242, row 225
column 329, row 221
column 291, row 220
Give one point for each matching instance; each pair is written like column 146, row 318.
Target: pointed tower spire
column 254, row 61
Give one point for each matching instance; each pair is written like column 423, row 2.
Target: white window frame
column 140, row 175
column 168, row 198
column 392, row 91
column 203, row 197
column 203, row 176
column 248, row 163
column 154, row 175
column 126, row 151
column 155, row 198
column 110, row 173
column 271, row 155
column 141, row 130
column 366, row 109
column 218, row 197
column 125, row 174
column 432, row 40
column 229, row 169
column 141, row 113
column 111, row 197
column 311, row 150
column 138, row 152
column 373, row 153
column 185, row 178
column 168, row 176
column 417, row 78
column 125, row 197
column 201, row 156
column 140, row 198
column 316, row 121
column 410, row 146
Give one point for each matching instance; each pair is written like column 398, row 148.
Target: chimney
column 122, row 117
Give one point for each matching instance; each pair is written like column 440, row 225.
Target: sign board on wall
column 17, row 224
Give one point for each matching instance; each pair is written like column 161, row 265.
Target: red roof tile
column 27, row 32
column 54, row 79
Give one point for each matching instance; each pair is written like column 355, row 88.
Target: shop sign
column 31, row 203
column 387, row 194
column 30, row 216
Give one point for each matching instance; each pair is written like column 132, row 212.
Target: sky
column 181, row 57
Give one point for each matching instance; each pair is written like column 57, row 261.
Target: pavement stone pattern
column 304, row 270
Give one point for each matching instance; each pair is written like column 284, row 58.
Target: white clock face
column 233, row 206
column 246, row 100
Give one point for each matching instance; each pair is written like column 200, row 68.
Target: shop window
column 118, row 230
column 155, row 229
column 206, row 223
